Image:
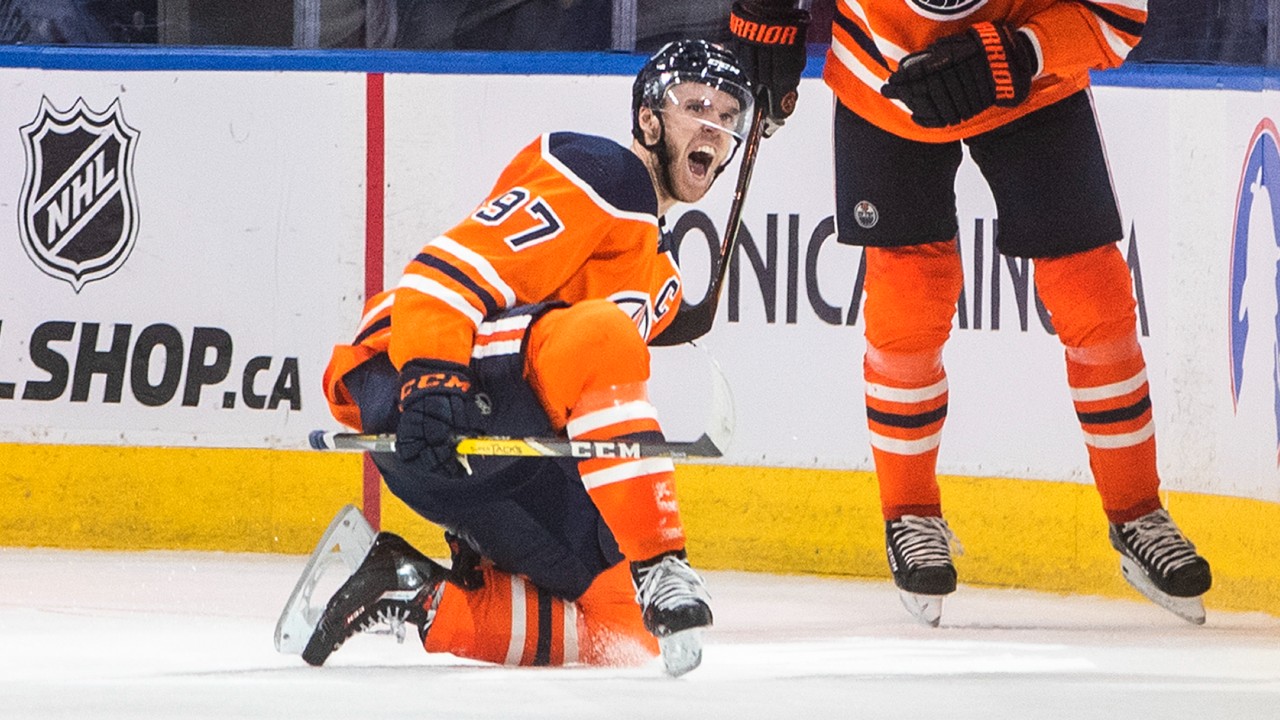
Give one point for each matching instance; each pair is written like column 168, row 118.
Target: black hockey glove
column 437, row 407
column 769, row 40
column 961, row 75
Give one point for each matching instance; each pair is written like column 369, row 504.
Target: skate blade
column 682, row 651
column 346, row 541
column 926, row 609
column 1190, row 609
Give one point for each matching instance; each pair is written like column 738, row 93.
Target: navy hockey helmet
column 696, row 61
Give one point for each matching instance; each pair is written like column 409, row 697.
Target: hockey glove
column 769, row 41
column 437, row 407
column 961, row 75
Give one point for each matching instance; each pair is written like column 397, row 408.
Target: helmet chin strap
column 659, row 151
column 737, row 143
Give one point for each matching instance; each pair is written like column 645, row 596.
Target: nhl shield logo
column 78, row 211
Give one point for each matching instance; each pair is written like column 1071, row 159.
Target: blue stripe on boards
column 466, row 62
column 1189, row 77
column 452, row 62
column 456, row 62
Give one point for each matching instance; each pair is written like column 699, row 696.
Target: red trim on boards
column 374, row 240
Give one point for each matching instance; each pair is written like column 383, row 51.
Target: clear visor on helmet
column 712, row 102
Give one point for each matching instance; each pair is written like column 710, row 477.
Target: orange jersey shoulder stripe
column 571, row 217
column 870, row 37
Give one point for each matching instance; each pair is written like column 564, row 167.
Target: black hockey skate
column 1159, row 562
column 395, row 585
column 919, row 550
column 675, row 607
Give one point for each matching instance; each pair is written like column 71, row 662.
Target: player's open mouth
column 700, row 160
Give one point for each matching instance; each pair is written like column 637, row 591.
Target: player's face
column 702, row 126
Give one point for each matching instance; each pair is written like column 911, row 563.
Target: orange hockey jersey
column 571, row 217
column 870, row 37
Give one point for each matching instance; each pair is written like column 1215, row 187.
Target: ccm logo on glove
column 438, row 405
column 441, row 380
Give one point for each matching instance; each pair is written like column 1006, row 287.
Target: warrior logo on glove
column 998, row 60
column 962, row 75
column 769, row 39
column 763, row 33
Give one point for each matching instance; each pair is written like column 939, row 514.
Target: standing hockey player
column 532, row 317
column 1009, row 79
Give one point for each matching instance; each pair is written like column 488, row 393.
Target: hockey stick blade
column 703, row 447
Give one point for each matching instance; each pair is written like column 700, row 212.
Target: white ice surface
column 189, row 635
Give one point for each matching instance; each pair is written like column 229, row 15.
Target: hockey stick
column 703, row 447
column 710, row 444
column 697, row 320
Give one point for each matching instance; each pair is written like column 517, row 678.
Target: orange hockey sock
column 612, row 632
column 1090, row 297
column 510, row 622
column 911, row 298
column 636, row 496
column 1113, row 403
column 589, row 366
column 905, row 412
column 506, row 621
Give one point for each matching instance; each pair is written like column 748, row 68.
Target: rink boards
column 187, row 238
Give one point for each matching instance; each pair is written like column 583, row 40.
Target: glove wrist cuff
column 418, row 366
column 1025, row 42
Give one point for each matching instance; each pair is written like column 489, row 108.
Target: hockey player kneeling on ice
column 532, row 317
column 1008, row 79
